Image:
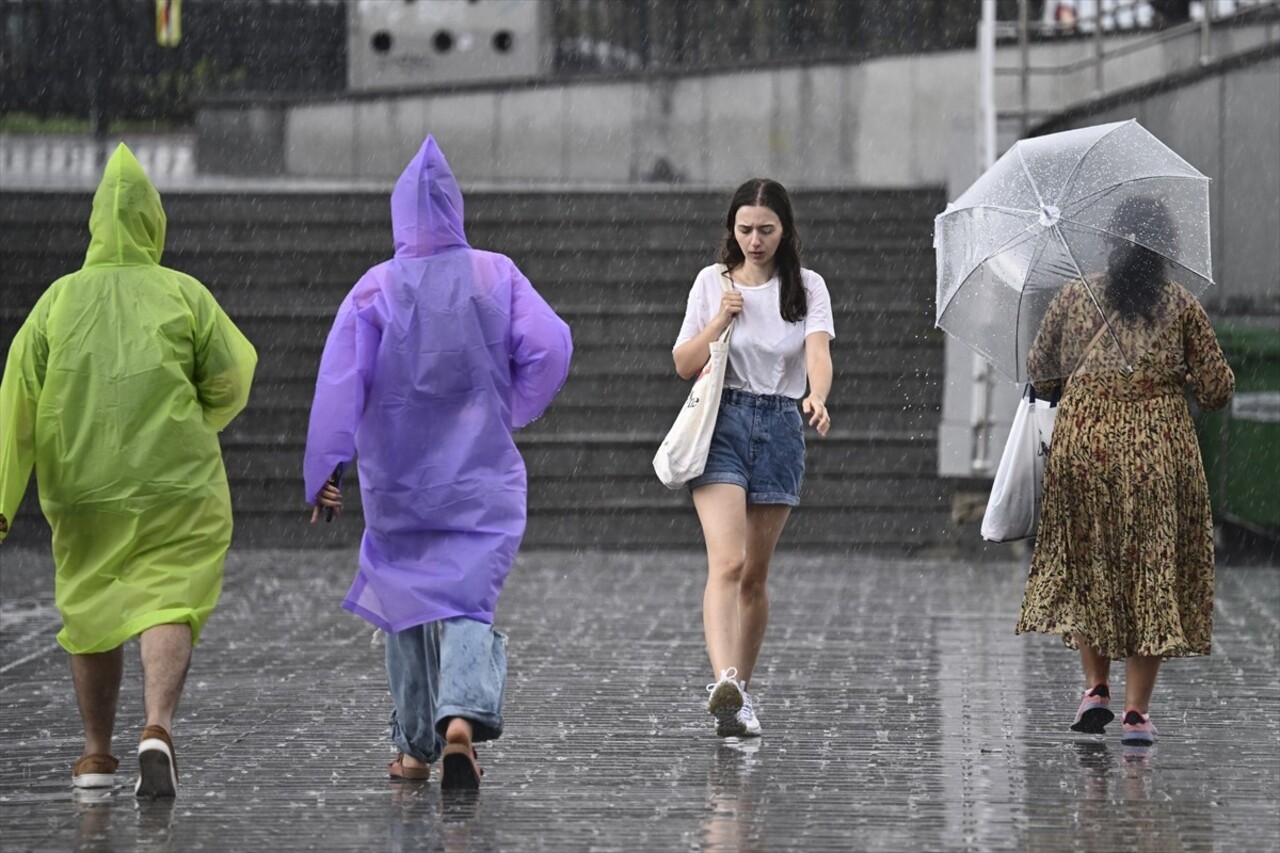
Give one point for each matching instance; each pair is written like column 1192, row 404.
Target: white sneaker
column 747, row 716
column 157, row 768
column 727, row 700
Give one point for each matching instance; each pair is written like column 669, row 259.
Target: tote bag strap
column 726, row 283
column 1097, row 336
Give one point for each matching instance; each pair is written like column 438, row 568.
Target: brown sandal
column 458, row 769
column 400, row 773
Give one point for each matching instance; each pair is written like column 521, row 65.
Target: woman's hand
column 730, row 307
column 330, row 496
column 819, row 418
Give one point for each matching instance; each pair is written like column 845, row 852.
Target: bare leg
column 97, row 682
column 166, row 655
column 764, row 526
column 458, row 731
column 722, row 510
column 458, row 768
column 1139, row 681
column 1097, row 668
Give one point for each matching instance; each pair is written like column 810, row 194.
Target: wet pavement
column 899, row 711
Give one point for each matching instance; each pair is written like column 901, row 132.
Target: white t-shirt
column 766, row 353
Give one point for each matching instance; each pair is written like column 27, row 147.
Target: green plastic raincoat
column 115, row 389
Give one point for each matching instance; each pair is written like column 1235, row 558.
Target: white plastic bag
column 682, row 455
column 1013, row 510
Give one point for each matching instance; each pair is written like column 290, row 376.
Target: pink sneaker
column 1138, row 729
column 1093, row 714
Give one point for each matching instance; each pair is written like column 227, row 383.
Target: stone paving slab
column 900, row 713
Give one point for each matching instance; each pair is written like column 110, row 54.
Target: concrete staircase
column 618, row 267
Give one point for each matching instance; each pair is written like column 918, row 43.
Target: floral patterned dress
column 1124, row 552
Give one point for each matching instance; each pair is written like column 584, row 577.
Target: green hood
column 127, row 224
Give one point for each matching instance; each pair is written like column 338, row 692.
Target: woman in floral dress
column 1123, row 561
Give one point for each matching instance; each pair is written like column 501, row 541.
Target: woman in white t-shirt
column 780, row 344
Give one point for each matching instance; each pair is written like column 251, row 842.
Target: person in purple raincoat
column 436, row 356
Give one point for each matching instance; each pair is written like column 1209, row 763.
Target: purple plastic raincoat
column 435, row 357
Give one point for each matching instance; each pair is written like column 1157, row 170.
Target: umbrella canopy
column 1055, row 210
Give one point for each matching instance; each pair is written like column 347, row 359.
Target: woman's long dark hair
column 1136, row 274
column 762, row 192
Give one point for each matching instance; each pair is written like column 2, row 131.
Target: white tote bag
column 682, row 456
column 1013, row 510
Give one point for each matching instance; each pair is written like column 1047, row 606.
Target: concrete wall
column 874, row 124
column 885, row 122
column 880, row 123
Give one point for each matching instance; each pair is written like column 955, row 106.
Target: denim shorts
column 758, row 444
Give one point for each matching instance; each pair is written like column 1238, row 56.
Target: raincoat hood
column 127, row 225
column 426, row 206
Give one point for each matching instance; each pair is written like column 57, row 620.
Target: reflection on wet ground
column 899, row 711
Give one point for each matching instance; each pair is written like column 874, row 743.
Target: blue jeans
column 452, row 668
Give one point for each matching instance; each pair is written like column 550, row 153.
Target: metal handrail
column 1021, row 30
column 1140, row 43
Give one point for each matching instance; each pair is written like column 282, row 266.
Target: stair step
column 626, row 528
column 574, row 455
column 634, row 339
column 290, row 425
column 603, row 271
column 867, row 490
column 376, row 237
column 639, row 395
column 287, row 373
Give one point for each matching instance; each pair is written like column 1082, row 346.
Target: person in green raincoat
column 115, row 389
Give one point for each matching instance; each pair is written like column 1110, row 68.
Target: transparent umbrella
column 1052, row 213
